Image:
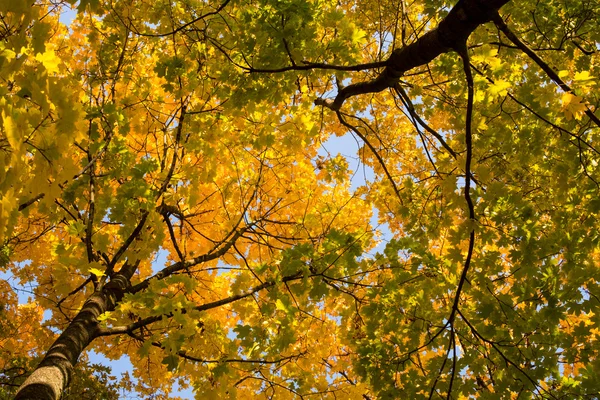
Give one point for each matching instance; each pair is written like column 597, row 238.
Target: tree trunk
column 53, row 374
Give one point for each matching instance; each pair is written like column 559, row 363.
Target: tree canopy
column 165, row 191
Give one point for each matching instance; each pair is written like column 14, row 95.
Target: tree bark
column 53, row 374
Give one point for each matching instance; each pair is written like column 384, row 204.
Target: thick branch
column 451, row 33
column 207, row 306
column 29, row 202
column 309, row 66
column 185, row 264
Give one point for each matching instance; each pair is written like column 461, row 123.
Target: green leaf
column 171, row 361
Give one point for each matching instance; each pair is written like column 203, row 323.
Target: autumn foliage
column 169, row 192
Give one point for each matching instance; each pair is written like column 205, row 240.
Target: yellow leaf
column 125, row 307
column 490, row 59
column 482, row 125
column 358, row 35
column 280, row 306
column 12, row 134
column 106, row 316
column 251, row 350
column 49, row 60
column 583, row 76
column 572, row 106
column 97, row 271
column 499, row 88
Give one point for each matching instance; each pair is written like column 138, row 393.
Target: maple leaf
column 499, row 88
column 572, row 106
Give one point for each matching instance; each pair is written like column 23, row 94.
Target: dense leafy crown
column 166, row 193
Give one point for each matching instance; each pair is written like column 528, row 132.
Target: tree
column 193, row 128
